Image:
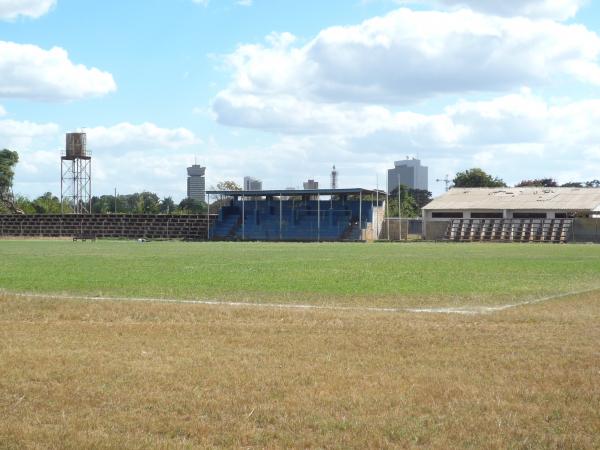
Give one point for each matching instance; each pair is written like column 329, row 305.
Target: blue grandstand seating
column 299, row 220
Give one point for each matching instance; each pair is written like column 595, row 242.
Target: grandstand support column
column 280, row 217
column 318, row 217
column 360, row 214
column 387, row 207
column 207, row 218
column 243, row 218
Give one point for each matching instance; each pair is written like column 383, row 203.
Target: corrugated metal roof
column 523, row 198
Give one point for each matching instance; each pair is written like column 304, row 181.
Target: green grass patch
column 341, row 274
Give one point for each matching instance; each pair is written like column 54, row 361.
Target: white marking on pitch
column 466, row 310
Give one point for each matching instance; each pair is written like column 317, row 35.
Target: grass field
column 340, row 274
column 119, row 374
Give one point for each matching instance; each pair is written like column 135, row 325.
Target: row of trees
column 138, row 203
column 478, row 178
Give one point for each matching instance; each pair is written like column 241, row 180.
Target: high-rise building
column 196, row 182
column 252, row 184
column 410, row 173
column 311, row 184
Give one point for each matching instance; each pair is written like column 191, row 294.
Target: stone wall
column 128, row 226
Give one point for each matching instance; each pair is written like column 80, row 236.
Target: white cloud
column 244, row 2
column 551, row 9
column 28, row 71
column 125, row 137
column 131, row 157
column 11, row 9
column 410, row 55
column 201, row 2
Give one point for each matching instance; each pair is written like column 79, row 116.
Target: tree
column 228, row 185
column 421, row 196
column 476, row 178
column 573, row 184
column 191, row 206
column 8, row 160
column 410, row 208
column 167, row 205
column 148, row 203
column 539, row 182
column 222, row 200
column 47, row 204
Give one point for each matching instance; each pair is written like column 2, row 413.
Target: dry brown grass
column 113, row 375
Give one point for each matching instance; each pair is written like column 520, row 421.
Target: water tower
column 76, row 174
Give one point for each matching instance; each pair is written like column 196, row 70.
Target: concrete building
column 310, row 184
column 514, row 203
column 523, row 214
column 252, row 184
column 196, row 182
column 410, row 173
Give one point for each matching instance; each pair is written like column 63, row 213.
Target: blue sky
column 282, row 90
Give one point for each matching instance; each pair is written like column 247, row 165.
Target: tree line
column 411, row 200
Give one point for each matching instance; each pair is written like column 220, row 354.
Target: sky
column 282, row 90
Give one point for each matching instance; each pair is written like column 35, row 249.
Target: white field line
column 466, row 310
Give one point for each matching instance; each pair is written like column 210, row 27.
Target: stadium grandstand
column 520, row 214
column 297, row 215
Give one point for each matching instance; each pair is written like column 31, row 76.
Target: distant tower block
column 196, row 182
column 76, row 174
column 334, row 178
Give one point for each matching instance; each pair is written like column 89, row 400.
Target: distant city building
column 252, row 184
column 196, row 182
column 334, row 178
column 311, row 184
column 410, row 173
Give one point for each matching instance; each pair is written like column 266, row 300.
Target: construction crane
column 446, row 180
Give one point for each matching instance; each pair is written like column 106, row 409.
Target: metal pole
column 318, row 217
column 208, row 218
column 377, row 216
column 399, row 211
column 360, row 214
column 280, row 216
column 62, row 181
column 387, row 206
column 243, row 218
column 89, row 176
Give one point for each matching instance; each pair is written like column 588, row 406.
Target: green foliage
column 47, row 204
column 410, row 208
column 191, row 206
column 540, row 182
column 167, row 206
column 228, row 185
column 584, row 184
column 8, row 160
column 477, row 178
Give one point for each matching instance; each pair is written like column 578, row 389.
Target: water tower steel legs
column 76, row 184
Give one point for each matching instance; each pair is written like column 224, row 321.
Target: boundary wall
column 126, row 226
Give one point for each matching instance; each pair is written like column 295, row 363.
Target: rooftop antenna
column 446, row 181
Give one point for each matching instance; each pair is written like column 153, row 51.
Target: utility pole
column 399, row 211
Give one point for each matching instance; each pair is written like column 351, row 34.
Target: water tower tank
column 76, row 145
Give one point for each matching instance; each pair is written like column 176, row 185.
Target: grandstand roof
column 296, row 192
column 521, row 198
